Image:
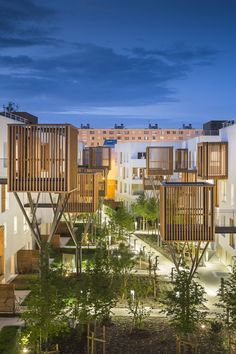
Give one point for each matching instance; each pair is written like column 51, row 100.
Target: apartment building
column 209, row 160
column 97, row 137
column 131, row 166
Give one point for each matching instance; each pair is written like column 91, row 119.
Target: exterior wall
column 16, row 232
column 130, row 169
column 96, row 137
column 226, row 208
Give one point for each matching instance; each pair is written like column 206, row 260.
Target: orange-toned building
column 96, row 137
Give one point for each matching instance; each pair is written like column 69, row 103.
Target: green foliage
column 227, row 300
column 122, row 261
column 184, row 304
column 137, row 310
column 8, row 335
column 146, row 208
column 121, row 222
column 45, row 315
column 102, row 291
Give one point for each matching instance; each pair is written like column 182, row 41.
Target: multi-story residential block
column 131, row 166
column 205, row 159
column 96, row 137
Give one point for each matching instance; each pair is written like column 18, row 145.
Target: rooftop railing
column 14, row 116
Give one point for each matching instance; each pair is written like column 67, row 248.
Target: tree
column 121, row 221
column 122, row 263
column 45, row 316
column 227, row 303
column 137, row 310
column 139, row 209
column 184, row 304
column 102, row 290
column 11, row 107
column 147, row 209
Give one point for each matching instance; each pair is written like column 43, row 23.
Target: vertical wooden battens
column 42, row 158
column 212, row 160
column 187, row 211
column 159, row 160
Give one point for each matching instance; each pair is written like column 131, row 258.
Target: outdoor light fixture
column 132, row 292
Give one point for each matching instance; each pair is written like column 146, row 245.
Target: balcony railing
column 225, row 221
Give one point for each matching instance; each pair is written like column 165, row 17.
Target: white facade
column 131, row 161
column 130, row 164
column 13, row 225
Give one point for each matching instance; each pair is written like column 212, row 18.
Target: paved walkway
column 209, row 276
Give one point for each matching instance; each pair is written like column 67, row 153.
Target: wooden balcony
column 212, row 160
column 97, row 157
column 188, row 176
column 86, row 198
column 181, row 160
column 159, row 160
column 102, row 178
column 42, row 158
column 187, row 212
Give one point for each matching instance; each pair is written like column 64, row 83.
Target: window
column 141, row 155
column 15, row 225
column 91, row 132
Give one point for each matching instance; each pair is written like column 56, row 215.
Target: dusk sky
column 120, row 61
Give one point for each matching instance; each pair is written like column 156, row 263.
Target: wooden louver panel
column 181, row 160
column 212, row 160
column 102, row 178
column 42, row 158
column 187, row 212
column 86, row 198
column 159, row 161
column 97, row 157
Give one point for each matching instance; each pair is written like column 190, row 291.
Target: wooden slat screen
column 187, row 212
column 213, row 160
column 42, row 158
column 86, row 198
column 27, row 261
column 159, row 160
column 181, row 160
column 97, row 157
column 102, row 178
column 7, row 298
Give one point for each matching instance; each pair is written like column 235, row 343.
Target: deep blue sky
column 124, row 61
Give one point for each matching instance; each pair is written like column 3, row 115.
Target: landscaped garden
column 119, row 299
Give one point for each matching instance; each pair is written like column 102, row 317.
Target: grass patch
column 8, row 337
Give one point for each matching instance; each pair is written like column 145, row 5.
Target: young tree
column 139, row 209
column 102, row 291
column 227, row 303
column 45, row 316
column 122, row 263
column 184, row 304
column 137, row 309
